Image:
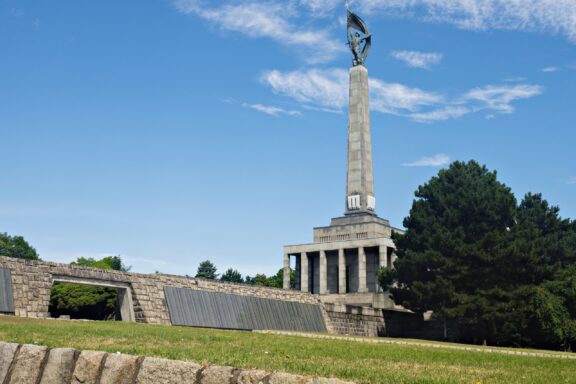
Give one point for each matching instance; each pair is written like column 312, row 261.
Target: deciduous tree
column 16, row 246
column 232, row 275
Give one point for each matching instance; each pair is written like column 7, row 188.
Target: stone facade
column 32, row 282
column 24, row 364
column 356, row 321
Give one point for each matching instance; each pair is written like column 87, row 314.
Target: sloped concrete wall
column 30, row 364
column 32, row 282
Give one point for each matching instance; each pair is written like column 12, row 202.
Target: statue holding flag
column 359, row 39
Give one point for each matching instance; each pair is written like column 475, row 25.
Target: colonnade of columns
column 385, row 258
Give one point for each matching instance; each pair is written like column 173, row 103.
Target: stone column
column 323, row 273
column 304, row 269
column 124, row 304
column 286, row 271
column 382, row 263
column 341, row 271
column 382, row 256
column 298, row 273
column 362, row 270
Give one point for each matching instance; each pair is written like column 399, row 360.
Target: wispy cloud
column 271, row 110
column 433, row 161
column 321, row 7
column 267, row 20
column 417, row 59
column 548, row 16
column 550, row 69
column 399, row 99
column 447, row 113
column 515, row 79
column 328, row 89
column 571, row 180
column 500, row 97
column 324, row 88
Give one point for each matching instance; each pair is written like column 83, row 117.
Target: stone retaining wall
column 32, row 282
column 356, row 321
column 32, row 364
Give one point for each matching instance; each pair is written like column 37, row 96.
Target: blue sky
column 171, row 132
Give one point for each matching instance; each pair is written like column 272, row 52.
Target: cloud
column 270, row 110
column 267, row 20
column 447, row 113
column 325, row 88
column 550, row 69
column 571, row 180
column 434, row 161
column 417, row 59
column 321, row 7
column 548, row 16
column 515, row 79
column 328, row 89
column 500, row 97
column 397, row 99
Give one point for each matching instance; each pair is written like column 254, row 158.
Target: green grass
column 361, row 362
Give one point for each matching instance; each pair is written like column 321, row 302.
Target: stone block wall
column 356, row 321
column 32, row 282
column 25, row 364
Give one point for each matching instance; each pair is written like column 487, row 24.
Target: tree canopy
column 109, row 262
column 471, row 254
column 542, row 252
column 16, row 246
column 232, row 275
column 275, row 281
column 86, row 301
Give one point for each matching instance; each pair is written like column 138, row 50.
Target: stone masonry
column 26, row 364
column 32, row 282
column 356, row 321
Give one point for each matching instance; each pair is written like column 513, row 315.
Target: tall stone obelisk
column 346, row 255
column 359, row 179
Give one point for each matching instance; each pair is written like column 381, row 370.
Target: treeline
column 208, row 270
column 16, row 246
column 501, row 272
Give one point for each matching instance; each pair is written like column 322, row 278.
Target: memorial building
column 346, row 255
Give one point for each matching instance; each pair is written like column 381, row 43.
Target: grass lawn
column 362, row 362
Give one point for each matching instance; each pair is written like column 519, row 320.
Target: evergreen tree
column 542, row 252
column 454, row 237
column 207, row 270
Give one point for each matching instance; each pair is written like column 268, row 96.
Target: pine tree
column 207, row 270
column 454, row 237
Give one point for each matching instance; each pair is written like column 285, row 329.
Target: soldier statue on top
column 359, row 39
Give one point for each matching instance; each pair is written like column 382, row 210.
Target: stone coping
column 24, row 364
column 129, row 273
